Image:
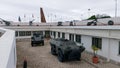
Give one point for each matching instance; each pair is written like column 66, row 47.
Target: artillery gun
column 31, row 22
column 66, row 49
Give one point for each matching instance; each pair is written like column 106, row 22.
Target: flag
column 32, row 16
column 19, row 19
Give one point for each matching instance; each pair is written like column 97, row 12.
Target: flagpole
column 115, row 8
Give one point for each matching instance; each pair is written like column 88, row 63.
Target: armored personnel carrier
column 66, row 49
column 37, row 39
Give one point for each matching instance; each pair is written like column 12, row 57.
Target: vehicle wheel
column 60, row 56
column 32, row 45
column 79, row 57
column 42, row 43
column 110, row 22
column 95, row 23
column 53, row 51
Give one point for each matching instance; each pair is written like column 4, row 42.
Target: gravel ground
column 40, row 57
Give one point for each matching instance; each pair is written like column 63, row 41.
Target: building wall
column 8, row 50
column 114, row 48
column 109, row 44
column 12, row 57
column 87, row 42
column 105, row 48
column 110, row 47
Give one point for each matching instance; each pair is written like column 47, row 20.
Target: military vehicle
column 59, row 23
column 66, row 49
column 31, row 22
column 37, row 39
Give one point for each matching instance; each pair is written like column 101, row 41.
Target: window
column 54, row 33
column 51, row 33
column 58, row 34
column 119, row 48
column 71, row 37
column 28, row 33
column 16, row 33
column 21, row 33
column 97, row 42
column 39, row 32
column 63, row 35
column 78, row 38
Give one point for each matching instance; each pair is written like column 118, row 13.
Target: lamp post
column 115, row 8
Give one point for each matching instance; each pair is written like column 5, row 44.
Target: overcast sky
column 56, row 10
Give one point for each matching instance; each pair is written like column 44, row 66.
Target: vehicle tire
column 53, row 51
column 60, row 56
column 110, row 22
column 89, row 23
column 32, row 44
column 95, row 23
column 79, row 57
column 43, row 43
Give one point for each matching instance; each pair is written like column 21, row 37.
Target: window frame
column 97, row 42
column 71, row 37
column 78, row 38
column 119, row 48
column 63, row 35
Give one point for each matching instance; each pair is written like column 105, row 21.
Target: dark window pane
column 16, row 33
column 97, row 42
column 71, row 37
column 54, row 33
column 63, row 35
column 58, row 34
column 119, row 48
column 78, row 38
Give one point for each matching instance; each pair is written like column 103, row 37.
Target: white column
column 67, row 36
column 56, row 34
column 43, row 33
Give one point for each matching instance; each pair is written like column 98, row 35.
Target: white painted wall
column 114, row 45
column 105, row 48
column 7, row 49
column 87, row 42
column 109, row 47
column 66, row 35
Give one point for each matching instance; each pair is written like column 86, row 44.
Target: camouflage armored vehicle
column 66, row 49
column 37, row 39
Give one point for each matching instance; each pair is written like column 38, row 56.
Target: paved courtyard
column 40, row 57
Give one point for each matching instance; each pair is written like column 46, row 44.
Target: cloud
column 66, row 9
